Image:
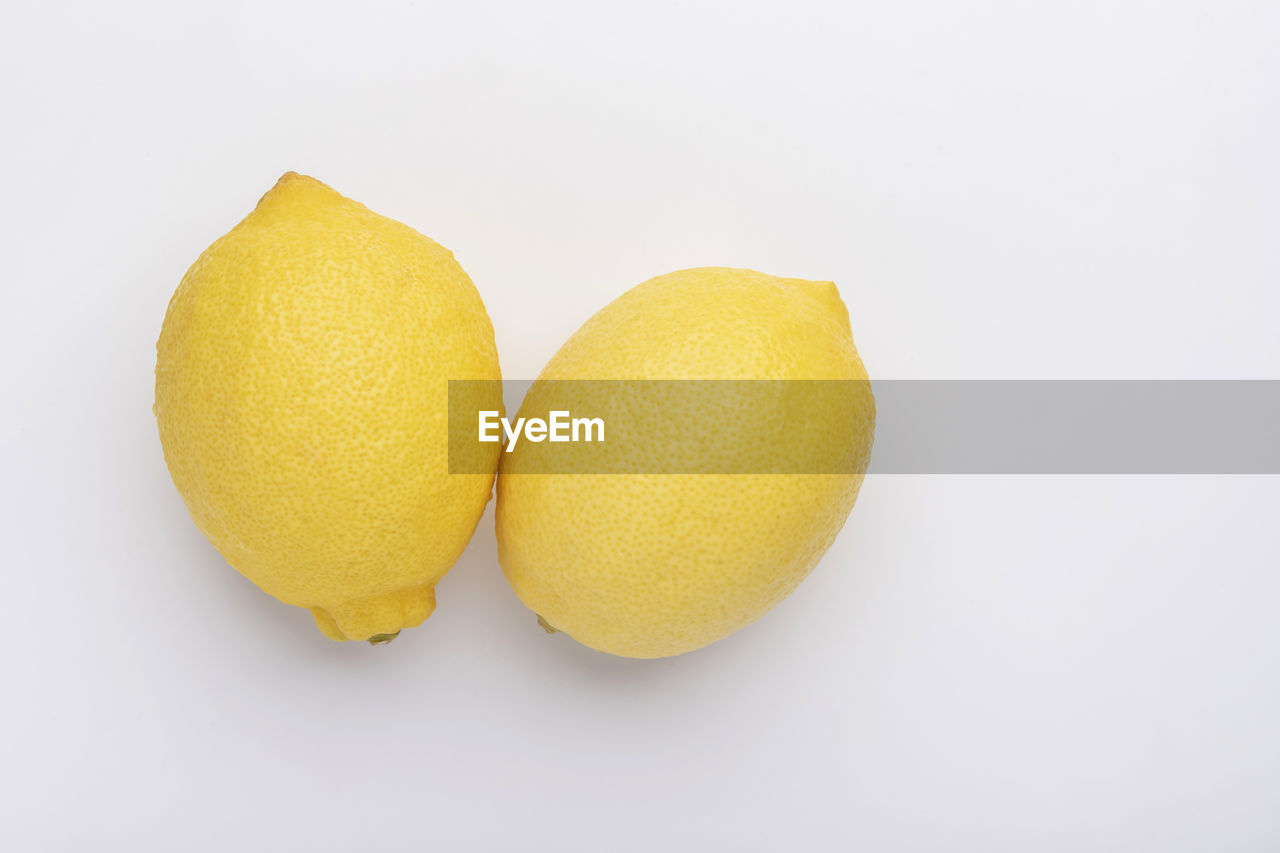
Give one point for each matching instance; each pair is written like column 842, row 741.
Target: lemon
column 648, row 565
column 301, row 395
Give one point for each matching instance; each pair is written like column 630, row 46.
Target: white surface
column 979, row 664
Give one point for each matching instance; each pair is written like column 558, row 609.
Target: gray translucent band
column 921, row 426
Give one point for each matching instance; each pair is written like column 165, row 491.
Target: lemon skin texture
column 653, row 565
column 301, row 396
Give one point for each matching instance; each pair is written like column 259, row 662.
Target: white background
column 1070, row 190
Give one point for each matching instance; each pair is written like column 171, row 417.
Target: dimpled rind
column 653, row 565
column 301, row 396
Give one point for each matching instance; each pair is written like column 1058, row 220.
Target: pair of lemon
column 302, row 401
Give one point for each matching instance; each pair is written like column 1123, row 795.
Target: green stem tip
column 382, row 639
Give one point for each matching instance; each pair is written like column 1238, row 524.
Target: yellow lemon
column 302, row 400
column 652, row 564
